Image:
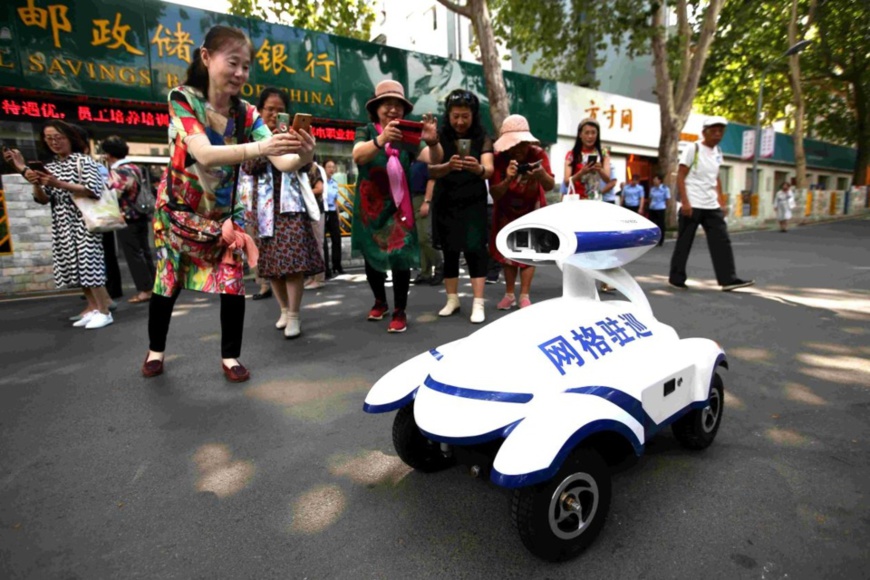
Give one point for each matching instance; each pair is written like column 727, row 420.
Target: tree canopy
column 350, row 18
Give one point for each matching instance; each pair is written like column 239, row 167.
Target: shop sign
column 26, row 109
column 140, row 49
column 622, row 119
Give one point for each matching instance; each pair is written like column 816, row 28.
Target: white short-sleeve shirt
column 701, row 179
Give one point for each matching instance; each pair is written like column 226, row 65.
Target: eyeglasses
column 55, row 138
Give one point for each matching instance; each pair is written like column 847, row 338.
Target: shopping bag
column 100, row 215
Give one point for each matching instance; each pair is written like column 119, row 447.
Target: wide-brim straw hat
column 514, row 130
column 385, row 90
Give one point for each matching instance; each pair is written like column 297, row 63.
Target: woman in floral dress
column 514, row 195
column 199, row 188
column 383, row 218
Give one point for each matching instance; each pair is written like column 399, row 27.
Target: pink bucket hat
column 385, row 90
column 514, row 130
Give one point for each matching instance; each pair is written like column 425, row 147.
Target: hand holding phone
column 591, row 160
column 524, row 168
column 302, row 122
column 463, row 147
column 412, row 134
column 283, row 123
column 37, row 166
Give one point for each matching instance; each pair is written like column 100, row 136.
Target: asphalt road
column 104, row 474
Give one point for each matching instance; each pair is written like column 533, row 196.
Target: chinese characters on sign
column 13, row 108
column 332, row 134
column 593, row 342
column 104, row 35
column 172, row 43
column 625, row 115
column 55, row 16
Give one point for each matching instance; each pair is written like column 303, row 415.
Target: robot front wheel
column 559, row 518
column 413, row 447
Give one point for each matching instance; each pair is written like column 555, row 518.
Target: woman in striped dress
column 77, row 255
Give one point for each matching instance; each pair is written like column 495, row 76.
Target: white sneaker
column 282, row 322
column 452, row 305
column 84, row 320
column 99, row 320
column 477, row 313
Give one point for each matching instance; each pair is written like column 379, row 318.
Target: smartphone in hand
column 524, row 168
column 412, row 134
column 283, row 122
column 302, row 122
column 463, row 147
column 37, row 166
column 592, row 160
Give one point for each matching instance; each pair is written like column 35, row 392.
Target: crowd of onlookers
column 242, row 193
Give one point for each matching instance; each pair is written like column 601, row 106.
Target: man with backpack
column 704, row 204
column 137, row 202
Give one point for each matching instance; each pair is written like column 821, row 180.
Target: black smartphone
column 524, row 168
column 37, row 166
column 592, row 160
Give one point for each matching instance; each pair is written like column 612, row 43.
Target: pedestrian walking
column 659, row 194
column 704, row 204
column 520, row 180
column 288, row 244
column 383, row 219
column 128, row 181
column 783, row 201
column 77, row 254
column 459, row 199
column 199, row 218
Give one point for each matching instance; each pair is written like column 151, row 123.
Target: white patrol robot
column 545, row 398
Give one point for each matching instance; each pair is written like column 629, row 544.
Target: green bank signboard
column 139, row 49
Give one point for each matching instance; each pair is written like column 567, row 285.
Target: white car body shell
column 548, row 376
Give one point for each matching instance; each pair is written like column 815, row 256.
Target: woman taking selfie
column 519, row 183
column 383, row 218
column 459, row 200
column 288, row 246
column 77, row 255
column 199, row 216
column 586, row 165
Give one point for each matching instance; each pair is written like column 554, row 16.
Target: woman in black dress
column 459, row 199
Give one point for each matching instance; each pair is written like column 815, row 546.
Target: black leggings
column 232, row 322
column 401, row 283
column 477, row 263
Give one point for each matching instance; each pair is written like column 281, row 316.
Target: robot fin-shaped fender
column 536, row 448
column 398, row 387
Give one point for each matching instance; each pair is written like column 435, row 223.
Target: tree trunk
column 478, row 12
column 794, row 78
column 862, row 116
column 675, row 102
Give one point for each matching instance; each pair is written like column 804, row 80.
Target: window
column 725, row 178
column 842, row 183
column 823, row 182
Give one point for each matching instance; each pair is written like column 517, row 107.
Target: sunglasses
column 463, row 97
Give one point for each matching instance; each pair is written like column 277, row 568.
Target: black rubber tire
column 413, row 448
column 536, row 510
column 698, row 428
